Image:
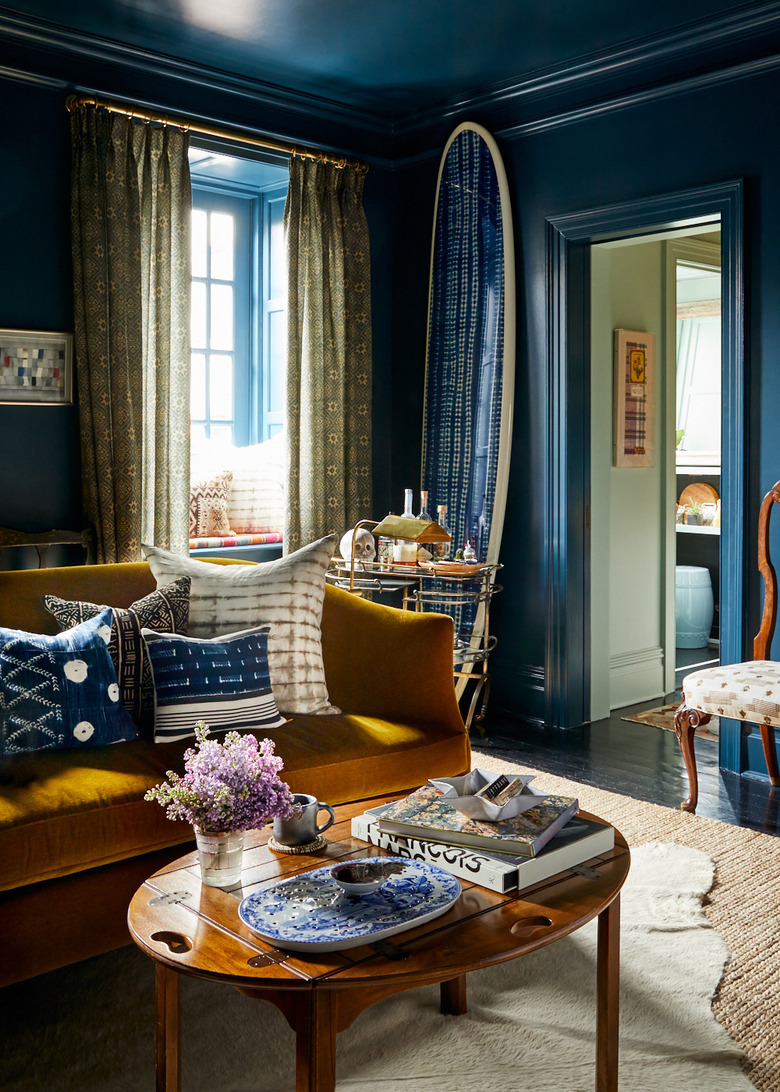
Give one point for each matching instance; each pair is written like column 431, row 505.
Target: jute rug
column 663, row 717
column 743, row 906
column 530, row 1022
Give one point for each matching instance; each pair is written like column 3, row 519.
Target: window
column 238, row 327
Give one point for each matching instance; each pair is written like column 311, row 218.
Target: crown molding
column 642, row 98
column 635, row 74
column 712, row 41
column 38, row 34
column 19, row 76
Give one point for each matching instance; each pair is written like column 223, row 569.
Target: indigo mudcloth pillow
column 287, row 593
column 223, row 681
column 166, row 610
column 60, row 691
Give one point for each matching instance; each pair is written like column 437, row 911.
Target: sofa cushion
column 166, row 609
column 223, row 681
column 60, row 691
column 64, row 811
column 287, row 593
column 209, row 505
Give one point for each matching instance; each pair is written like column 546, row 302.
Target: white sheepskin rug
column 530, row 1023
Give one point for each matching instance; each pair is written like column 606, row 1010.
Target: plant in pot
column 228, row 788
column 692, row 517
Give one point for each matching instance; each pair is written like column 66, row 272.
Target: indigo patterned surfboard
column 469, row 384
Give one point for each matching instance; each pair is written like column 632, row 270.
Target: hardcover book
column 579, row 840
column 426, row 814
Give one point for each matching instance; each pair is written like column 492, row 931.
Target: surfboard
column 470, row 360
column 469, row 379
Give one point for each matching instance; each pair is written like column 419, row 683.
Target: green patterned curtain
column 130, row 211
column 329, row 352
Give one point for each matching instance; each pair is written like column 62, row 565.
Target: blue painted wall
column 653, row 147
column 40, row 473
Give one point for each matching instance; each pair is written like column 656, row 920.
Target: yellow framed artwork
column 634, row 374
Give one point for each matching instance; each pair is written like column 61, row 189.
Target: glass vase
column 220, row 857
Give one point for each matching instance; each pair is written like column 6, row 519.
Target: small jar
column 404, row 552
column 384, row 551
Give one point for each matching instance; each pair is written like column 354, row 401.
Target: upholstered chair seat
column 748, row 691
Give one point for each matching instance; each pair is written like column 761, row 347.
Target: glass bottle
column 384, row 549
column 424, row 513
column 441, row 550
column 408, row 512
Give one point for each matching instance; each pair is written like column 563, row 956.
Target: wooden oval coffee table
column 188, row 928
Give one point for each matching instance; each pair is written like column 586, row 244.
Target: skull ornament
column 365, row 547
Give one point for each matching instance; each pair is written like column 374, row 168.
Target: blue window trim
column 243, row 358
column 255, row 418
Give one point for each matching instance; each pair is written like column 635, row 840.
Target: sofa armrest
column 389, row 663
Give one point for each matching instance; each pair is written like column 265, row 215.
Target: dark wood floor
column 636, row 760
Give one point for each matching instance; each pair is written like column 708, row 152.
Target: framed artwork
column 36, row 368
column 632, row 435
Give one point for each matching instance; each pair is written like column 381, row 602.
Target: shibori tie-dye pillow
column 60, row 691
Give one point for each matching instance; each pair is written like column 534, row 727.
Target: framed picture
column 36, row 368
column 632, row 436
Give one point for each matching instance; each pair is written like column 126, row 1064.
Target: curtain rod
column 213, row 131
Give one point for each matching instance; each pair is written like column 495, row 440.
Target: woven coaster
column 310, row 847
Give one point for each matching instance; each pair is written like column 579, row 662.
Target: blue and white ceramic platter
column 310, row 913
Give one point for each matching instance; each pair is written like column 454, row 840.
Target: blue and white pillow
column 223, row 681
column 60, row 691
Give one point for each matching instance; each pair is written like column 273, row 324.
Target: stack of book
column 508, row 855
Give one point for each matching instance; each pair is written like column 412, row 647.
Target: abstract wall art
column 36, row 368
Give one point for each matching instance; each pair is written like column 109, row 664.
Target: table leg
column 168, row 1030
column 453, row 996
column 315, row 1042
column 608, row 999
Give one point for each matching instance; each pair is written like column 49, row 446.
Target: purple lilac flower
column 227, row 786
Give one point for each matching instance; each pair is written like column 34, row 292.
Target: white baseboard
column 636, row 676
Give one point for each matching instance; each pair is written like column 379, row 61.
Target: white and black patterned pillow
column 209, row 505
column 60, row 691
column 165, row 610
column 224, row 682
column 287, row 593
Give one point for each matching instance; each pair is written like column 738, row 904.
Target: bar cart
column 462, row 590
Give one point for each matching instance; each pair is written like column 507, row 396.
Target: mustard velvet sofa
column 76, row 836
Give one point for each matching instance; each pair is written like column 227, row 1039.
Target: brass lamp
column 403, row 527
column 411, row 530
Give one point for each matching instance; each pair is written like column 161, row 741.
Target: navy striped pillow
column 223, row 681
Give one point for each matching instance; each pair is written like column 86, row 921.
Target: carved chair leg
column 770, row 753
column 686, row 721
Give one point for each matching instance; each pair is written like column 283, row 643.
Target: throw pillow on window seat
column 287, row 593
column 60, row 691
column 256, row 498
column 166, row 610
column 209, row 506
column 223, row 681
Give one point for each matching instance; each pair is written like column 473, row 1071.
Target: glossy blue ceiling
column 385, row 57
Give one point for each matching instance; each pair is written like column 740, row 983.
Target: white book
column 578, row 841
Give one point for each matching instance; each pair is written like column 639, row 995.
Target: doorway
column 568, row 525
column 655, row 527
column 694, row 317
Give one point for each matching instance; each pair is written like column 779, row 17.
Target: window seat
column 261, row 546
